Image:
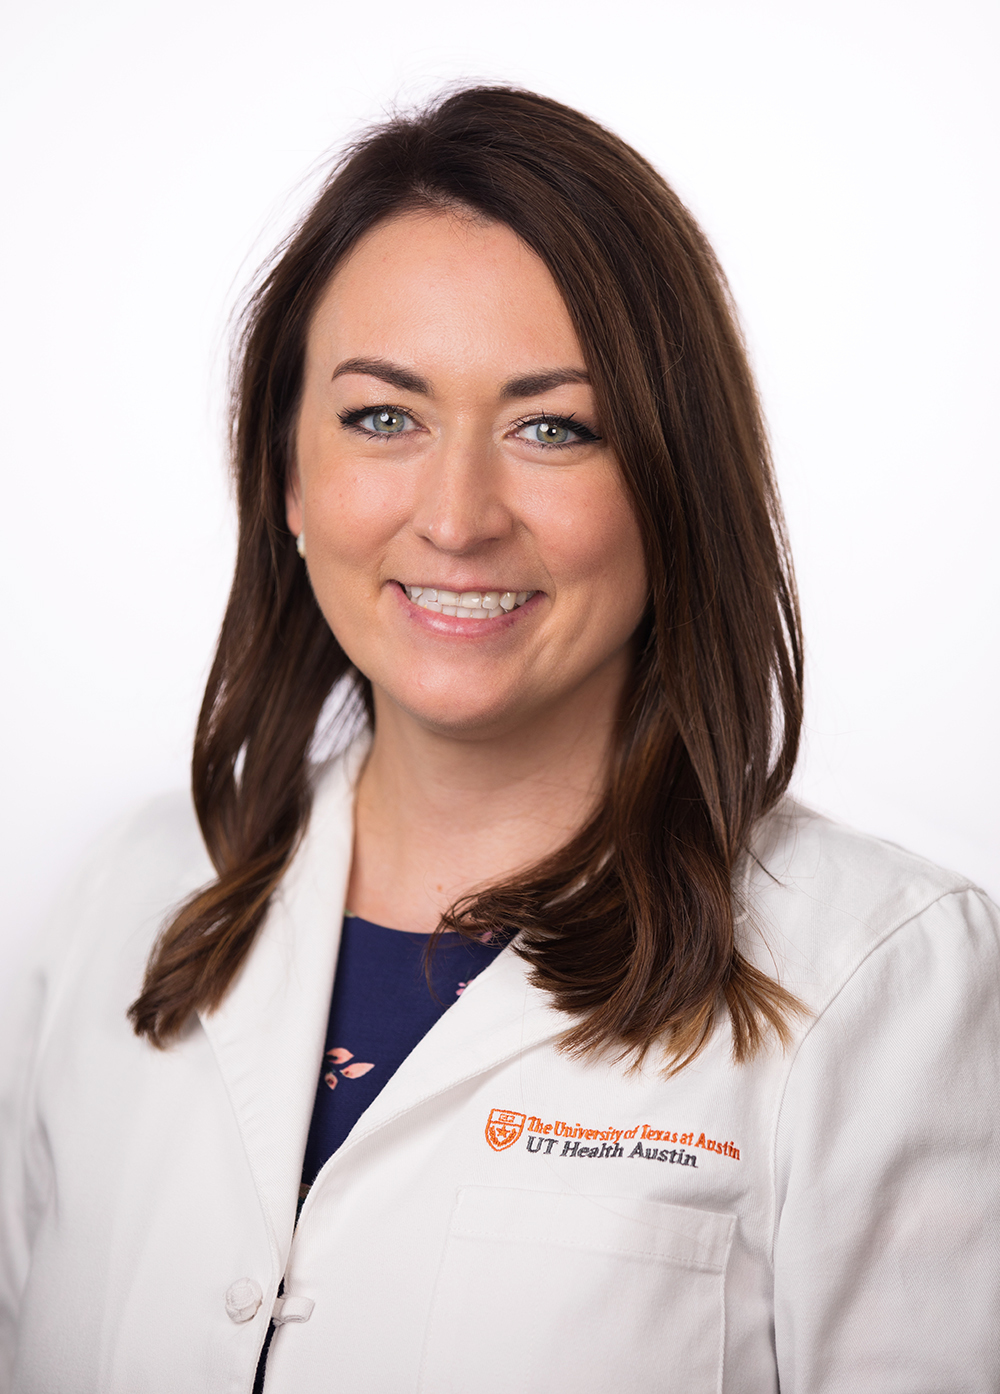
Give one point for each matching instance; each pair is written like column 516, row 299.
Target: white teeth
column 467, row 605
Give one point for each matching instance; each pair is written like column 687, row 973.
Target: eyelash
column 352, row 419
column 586, row 435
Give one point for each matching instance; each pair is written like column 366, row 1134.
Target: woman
column 588, row 1060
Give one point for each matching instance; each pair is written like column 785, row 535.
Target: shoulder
column 142, row 866
column 821, row 899
column 151, row 856
column 88, row 961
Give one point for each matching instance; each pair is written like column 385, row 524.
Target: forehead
column 449, row 288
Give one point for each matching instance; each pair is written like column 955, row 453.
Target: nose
column 458, row 505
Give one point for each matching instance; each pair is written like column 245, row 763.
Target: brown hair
column 630, row 925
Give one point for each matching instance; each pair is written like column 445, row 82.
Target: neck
column 440, row 815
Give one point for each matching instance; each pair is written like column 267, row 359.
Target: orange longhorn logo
column 503, row 1128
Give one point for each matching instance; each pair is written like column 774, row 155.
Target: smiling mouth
column 467, row 605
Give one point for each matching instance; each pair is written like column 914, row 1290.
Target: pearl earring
column 300, row 544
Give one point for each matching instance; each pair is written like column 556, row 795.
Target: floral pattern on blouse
column 340, row 1056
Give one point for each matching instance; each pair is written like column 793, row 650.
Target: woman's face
column 448, row 457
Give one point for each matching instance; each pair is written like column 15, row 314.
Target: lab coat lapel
column 498, row 1016
column 268, row 1035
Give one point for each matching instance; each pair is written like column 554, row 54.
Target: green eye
column 555, row 431
column 551, row 433
column 385, row 421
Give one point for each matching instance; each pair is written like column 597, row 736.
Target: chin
column 469, row 722
column 459, row 714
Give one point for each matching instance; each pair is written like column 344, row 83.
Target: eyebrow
column 530, row 385
column 392, row 373
column 534, row 383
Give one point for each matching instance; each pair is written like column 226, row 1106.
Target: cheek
column 593, row 542
column 353, row 514
column 350, row 506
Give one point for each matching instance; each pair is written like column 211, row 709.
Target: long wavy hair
column 630, row 925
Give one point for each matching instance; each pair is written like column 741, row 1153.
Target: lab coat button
column 292, row 1309
column 243, row 1299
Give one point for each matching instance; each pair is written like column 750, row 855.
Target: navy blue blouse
column 382, row 1006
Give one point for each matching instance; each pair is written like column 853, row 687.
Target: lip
column 453, row 626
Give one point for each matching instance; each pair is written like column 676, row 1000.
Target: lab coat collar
column 269, row 1034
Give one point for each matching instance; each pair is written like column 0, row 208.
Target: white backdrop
column 841, row 157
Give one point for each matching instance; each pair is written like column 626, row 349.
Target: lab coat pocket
column 550, row 1291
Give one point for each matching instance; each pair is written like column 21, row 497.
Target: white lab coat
column 503, row 1217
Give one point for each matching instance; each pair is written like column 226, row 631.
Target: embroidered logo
column 503, row 1128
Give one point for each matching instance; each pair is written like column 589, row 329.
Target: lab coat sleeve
column 20, row 1022
column 26, row 1007
column 887, row 1260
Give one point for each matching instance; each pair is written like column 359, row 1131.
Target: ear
column 293, row 499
